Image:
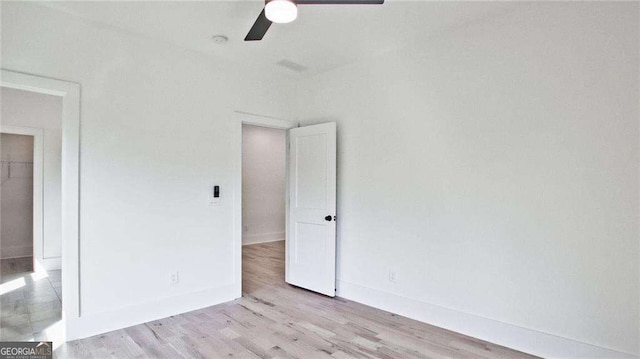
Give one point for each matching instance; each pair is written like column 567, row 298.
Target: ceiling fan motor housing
column 281, row 11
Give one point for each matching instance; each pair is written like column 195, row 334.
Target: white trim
column 102, row 322
column 248, row 239
column 40, row 263
column 70, row 93
column 17, row 252
column 239, row 119
column 508, row 335
column 245, row 118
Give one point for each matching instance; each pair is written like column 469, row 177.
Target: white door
column 311, row 222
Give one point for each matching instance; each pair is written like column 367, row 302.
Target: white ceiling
column 322, row 38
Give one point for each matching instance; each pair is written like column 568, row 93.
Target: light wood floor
column 276, row 320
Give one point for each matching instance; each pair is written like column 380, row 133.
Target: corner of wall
column 508, row 335
column 93, row 324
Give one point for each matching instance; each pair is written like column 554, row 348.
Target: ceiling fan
column 283, row 11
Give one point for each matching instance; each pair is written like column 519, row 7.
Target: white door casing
column 72, row 322
column 311, row 225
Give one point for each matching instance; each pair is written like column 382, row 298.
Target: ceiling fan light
column 281, row 11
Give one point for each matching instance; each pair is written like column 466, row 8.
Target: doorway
column 28, row 289
column 30, row 216
column 308, row 253
column 256, row 233
column 263, row 206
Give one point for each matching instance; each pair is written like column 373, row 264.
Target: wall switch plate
column 214, row 197
column 174, row 278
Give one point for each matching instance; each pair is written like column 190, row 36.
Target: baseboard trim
column 508, row 335
column 16, row 257
column 98, row 323
column 48, row 264
column 17, row 252
column 43, row 264
column 262, row 238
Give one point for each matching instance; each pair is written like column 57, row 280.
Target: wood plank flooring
column 276, row 320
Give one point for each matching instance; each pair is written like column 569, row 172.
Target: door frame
column 244, row 118
column 70, row 94
column 38, row 193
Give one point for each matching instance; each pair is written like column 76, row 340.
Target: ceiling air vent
column 292, row 66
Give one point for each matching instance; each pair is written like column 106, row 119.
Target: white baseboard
column 262, row 238
column 98, row 323
column 508, row 335
column 50, row 263
column 46, row 264
column 16, row 252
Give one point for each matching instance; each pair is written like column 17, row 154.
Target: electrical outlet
column 392, row 276
column 174, row 278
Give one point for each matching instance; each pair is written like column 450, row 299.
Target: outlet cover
column 174, row 278
column 392, row 276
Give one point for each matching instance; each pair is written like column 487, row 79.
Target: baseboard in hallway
column 16, row 265
column 261, row 242
column 255, row 238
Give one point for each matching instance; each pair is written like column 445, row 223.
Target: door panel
column 311, row 191
column 311, row 239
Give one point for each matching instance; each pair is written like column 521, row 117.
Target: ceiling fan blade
column 259, row 28
column 339, row 2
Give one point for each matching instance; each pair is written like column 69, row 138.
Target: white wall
column 263, row 184
column 495, row 169
column 156, row 135
column 16, row 214
column 30, row 109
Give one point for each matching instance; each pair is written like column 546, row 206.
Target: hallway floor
column 30, row 302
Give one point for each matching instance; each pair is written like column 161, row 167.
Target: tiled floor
column 30, row 302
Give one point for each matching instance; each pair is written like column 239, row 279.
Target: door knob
column 327, row 218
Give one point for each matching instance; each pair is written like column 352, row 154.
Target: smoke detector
column 219, row 39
